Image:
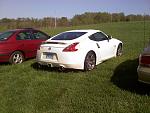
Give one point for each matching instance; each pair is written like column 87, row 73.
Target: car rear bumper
column 65, row 60
column 144, row 74
column 52, row 64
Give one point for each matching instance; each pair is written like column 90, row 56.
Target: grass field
column 110, row 88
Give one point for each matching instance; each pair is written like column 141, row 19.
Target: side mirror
column 109, row 37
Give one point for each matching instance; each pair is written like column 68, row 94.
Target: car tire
column 90, row 61
column 119, row 50
column 16, row 57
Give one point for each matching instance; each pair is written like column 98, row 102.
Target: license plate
column 49, row 56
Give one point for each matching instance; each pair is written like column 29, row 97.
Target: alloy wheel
column 90, row 61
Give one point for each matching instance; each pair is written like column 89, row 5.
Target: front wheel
column 90, row 61
column 119, row 50
column 16, row 58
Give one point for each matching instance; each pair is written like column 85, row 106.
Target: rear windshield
column 5, row 35
column 68, row 36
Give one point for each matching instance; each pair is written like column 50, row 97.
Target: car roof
column 21, row 29
column 85, row 30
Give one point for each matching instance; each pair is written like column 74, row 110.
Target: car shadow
column 125, row 77
column 7, row 63
column 4, row 64
column 53, row 69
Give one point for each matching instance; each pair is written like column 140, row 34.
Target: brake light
column 71, row 48
column 144, row 60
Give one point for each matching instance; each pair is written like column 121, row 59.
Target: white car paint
column 103, row 50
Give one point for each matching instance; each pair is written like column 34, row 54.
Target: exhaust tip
column 61, row 68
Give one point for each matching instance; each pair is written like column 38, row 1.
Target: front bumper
column 144, row 74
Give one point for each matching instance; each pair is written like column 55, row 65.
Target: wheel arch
column 119, row 44
column 21, row 52
column 92, row 52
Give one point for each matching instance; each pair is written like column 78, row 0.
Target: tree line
column 80, row 19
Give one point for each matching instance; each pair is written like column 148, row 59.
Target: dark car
column 144, row 66
column 19, row 44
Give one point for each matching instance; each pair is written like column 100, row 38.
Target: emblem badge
column 49, row 48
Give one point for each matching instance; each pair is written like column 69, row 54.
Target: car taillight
column 71, row 48
column 144, row 60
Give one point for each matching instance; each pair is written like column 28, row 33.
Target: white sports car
column 78, row 49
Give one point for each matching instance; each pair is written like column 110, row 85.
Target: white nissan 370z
column 78, row 49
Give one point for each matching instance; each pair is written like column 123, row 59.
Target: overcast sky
column 68, row 8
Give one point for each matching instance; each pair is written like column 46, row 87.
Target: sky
column 69, row 8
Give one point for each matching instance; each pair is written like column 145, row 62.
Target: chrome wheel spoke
column 90, row 62
column 119, row 51
column 17, row 58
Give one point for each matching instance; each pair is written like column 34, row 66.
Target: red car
column 19, row 44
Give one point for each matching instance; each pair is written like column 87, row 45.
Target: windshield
column 68, row 36
column 5, row 35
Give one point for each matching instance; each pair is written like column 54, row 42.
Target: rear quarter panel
column 84, row 47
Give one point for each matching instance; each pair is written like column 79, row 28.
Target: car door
column 25, row 43
column 104, row 45
column 38, row 37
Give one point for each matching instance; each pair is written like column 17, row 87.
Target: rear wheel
column 90, row 61
column 16, row 58
column 119, row 50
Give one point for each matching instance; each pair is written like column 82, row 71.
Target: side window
column 40, row 35
column 99, row 36
column 92, row 37
column 23, row 36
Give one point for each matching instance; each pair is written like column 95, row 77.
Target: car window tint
column 23, row 36
column 68, row 36
column 40, row 35
column 99, row 36
column 6, row 35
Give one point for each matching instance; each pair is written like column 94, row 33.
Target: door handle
column 97, row 45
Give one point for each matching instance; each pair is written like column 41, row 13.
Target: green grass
column 110, row 88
